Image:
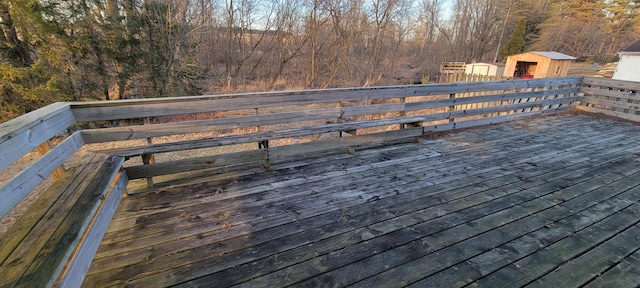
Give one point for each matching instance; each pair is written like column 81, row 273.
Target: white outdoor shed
column 629, row 65
column 491, row 69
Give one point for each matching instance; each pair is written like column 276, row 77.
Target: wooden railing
column 54, row 241
column 170, row 136
column 323, row 117
column 611, row 97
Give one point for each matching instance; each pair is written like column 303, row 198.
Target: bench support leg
column 146, row 160
column 267, row 163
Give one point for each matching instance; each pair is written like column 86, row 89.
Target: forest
column 75, row 50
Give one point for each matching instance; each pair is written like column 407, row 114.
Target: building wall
column 558, row 68
column 628, row 68
column 546, row 67
column 484, row 69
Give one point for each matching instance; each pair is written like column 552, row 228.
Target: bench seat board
column 77, row 268
column 37, row 246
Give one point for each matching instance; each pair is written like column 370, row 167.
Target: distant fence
column 463, row 77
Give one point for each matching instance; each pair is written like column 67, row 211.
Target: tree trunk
column 15, row 51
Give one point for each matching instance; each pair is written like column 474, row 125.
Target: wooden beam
column 22, row 184
column 74, row 273
column 262, row 136
column 599, row 93
column 167, row 129
column 21, row 135
column 634, row 107
column 489, row 98
column 619, row 84
column 44, row 148
column 125, row 109
column 618, row 114
column 191, row 164
column 491, row 120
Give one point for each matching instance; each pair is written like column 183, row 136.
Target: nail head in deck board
column 625, row 274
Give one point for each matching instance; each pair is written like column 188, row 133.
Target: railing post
column 43, row 149
column 339, row 119
column 148, row 158
column 257, row 114
column 403, row 112
column 452, row 107
column 267, row 161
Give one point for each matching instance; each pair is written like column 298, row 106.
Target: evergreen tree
column 30, row 63
column 516, row 41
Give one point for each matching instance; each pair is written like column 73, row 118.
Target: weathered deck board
column 169, row 224
column 465, row 208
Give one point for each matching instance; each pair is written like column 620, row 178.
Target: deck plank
column 128, row 257
column 463, row 208
column 625, row 274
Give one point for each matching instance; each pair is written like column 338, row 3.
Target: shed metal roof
column 635, row 47
column 554, row 55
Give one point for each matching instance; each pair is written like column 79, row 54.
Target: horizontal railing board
column 148, row 108
column 617, row 114
column 13, row 127
column 164, row 109
column 262, row 136
column 618, row 84
column 612, row 104
column 175, row 128
column 23, row 134
column 287, row 133
column 609, row 93
column 466, row 87
column 490, row 120
column 22, row 184
column 412, row 106
column 624, row 91
column 156, row 130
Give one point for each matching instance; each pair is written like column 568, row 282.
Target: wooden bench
column 265, row 154
column 54, row 241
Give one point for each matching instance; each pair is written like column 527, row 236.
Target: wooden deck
column 547, row 202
